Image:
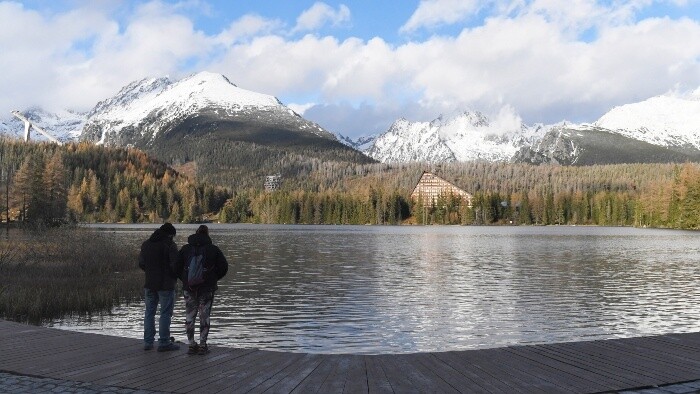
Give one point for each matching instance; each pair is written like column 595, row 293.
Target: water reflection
column 340, row 289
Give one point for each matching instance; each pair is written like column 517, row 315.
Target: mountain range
column 660, row 129
column 210, row 126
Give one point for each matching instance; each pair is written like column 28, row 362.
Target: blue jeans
column 166, row 298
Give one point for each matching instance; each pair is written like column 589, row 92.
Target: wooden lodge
column 430, row 187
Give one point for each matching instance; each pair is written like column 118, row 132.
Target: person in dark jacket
column 157, row 259
column 200, row 297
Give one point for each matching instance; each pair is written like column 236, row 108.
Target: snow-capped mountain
column 662, row 120
column 64, row 125
column 146, row 109
column 211, row 108
column 466, row 136
column 410, row 141
column 663, row 128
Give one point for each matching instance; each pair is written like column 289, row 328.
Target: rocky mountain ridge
column 660, row 129
column 147, row 112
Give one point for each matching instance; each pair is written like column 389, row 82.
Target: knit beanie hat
column 168, row 229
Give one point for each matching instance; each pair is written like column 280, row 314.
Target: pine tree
column 54, row 180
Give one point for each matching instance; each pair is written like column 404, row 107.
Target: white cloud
column 319, row 15
column 527, row 56
column 300, row 108
column 431, row 13
column 247, row 27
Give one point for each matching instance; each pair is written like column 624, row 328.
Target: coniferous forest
column 81, row 182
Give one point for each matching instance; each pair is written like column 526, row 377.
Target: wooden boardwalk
column 579, row 367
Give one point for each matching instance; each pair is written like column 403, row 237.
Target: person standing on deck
column 157, row 259
column 200, row 255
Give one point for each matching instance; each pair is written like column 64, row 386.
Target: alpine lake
column 406, row 289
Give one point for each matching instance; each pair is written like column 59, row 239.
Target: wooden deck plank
column 356, row 381
column 264, row 369
column 130, row 372
column 111, row 371
column 600, row 363
column 396, row 375
column 228, row 373
column 622, row 355
column 584, row 367
column 266, row 379
column 534, row 374
column 449, row 374
column 313, row 382
column 201, row 370
column 335, row 382
column 422, row 376
column 662, row 356
column 39, row 357
column 286, row 381
column 565, row 367
column 504, row 370
column 679, row 355
column 190, row 370
column 204, row 373
column 551, row 370
column 377, row 381
column 688, row 339
column 475, row 373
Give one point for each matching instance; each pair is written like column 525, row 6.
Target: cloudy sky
column 355, row 66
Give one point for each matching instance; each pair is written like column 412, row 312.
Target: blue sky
column 356, row 66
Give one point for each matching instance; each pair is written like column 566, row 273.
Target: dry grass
column 50, row 273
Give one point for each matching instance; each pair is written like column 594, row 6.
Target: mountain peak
column 207, row 77
column 665, row 120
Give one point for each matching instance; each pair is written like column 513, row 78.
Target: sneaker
column 203, row 349
column 193, row 349
column 147, row 346
column 169, row 347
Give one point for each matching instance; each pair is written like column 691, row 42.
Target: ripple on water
column 358, row 289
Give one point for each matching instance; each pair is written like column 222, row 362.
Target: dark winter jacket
column 158, row 258
column 215, row 263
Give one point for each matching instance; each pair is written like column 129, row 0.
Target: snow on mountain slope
column 149, row 104
column 465, row 137
column 410, row 141
column 662, row 120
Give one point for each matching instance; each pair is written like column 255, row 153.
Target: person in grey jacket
column 199, row 297
column 157, row 259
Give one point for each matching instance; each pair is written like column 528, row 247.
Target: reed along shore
column 49, row 273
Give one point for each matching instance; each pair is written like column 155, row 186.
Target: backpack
column 195, row 268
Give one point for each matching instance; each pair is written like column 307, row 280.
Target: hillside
column 231, row 136
column 85, row 182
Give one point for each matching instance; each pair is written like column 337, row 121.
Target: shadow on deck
column 579, row 367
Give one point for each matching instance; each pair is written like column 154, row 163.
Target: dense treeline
column 658, row 195
column 83, row 182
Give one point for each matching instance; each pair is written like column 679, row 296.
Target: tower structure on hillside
column 28, row 126
column 430, row 187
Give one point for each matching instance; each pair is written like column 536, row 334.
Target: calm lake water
column 362, row 289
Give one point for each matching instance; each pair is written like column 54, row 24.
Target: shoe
column 203, row 349
column 169, row 347
column 193, row 349
column 148, row 346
